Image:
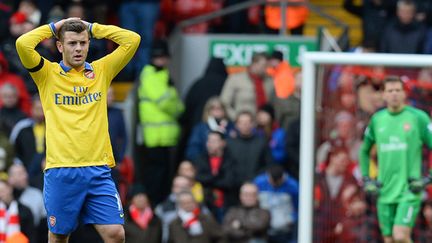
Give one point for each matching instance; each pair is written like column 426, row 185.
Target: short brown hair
column 393, row 79
column 76, row 26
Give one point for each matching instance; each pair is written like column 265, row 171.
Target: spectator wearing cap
column 141, row 224
column 282, row 74
column 159, row 109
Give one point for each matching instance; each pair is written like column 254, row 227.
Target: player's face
column 394, row 95
column 74, row 48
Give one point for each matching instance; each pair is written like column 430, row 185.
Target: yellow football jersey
column 74, row 102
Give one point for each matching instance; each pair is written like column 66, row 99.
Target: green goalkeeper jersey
column 399, row 138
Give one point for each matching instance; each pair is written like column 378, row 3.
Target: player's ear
column 59, row 46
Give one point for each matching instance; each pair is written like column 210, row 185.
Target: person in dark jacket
column 215, row 171
column 191, row 225
column 247, row 222
column 214, row 119
column 404, row 34
column 28, row 136
column 250, row 150
column 141, row 224
column 209, row 85
column 201, row 91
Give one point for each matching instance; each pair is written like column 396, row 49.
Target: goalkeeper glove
column 417, row 185
column 371, row 187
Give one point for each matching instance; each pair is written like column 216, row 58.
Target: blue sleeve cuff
column 53, row 29
column 90, row 27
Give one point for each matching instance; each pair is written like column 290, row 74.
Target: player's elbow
column 135, row 38
column 19, row 43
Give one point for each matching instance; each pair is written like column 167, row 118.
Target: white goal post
column 309, row 61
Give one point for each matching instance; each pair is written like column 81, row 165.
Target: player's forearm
column 127, row 40
column 364, row 159
column 27, row 43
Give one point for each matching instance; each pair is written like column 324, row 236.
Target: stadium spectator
column 140, row 16
column 16, row 218
column 24, row 99
column 422, row 232
column 247, row 222
column 19, row 23
column 187, row 169
column 7, row 152
column 295, row 19
column 5, row 13
column 141, row 224
column 31, row 10
column 159, row 108
column 250, row 150
column 270, row 130
column 374, row 15
column 278, row 193
column 166, row 210
column 404, row 34
column 209, row 85
column 191, row 225
column 116, row 127
column 335, row 185
column 10, row 112
column 26, row 194
column 282, row 74
column 287, row 110
column 30, row 197
column 344, row 133
column 28, row 137
column 248, row 90
column 293, row 149
column 216, row 172
column 214, row 119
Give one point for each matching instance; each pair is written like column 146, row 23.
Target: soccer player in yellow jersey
column 77, row 184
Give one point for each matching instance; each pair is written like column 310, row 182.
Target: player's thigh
column 64, row 195
column 386, row 216
column 103, row 205
column 57, row 238
column 406, row 213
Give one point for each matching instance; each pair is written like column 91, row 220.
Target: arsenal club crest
column 52, row 221
column 406, row 127
column 89, row 74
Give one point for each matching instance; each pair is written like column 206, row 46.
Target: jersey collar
column 87, row 67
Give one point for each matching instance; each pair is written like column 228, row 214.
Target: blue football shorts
column 82, row 194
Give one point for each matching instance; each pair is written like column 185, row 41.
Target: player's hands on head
column 59, row 23
column 371, row 187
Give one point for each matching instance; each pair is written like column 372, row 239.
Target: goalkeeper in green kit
column 399, row 133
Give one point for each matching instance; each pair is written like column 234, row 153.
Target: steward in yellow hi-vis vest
column 78, row 186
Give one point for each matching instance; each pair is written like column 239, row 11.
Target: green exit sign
column 239, row 52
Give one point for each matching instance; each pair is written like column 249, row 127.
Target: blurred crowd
column 222, row 164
